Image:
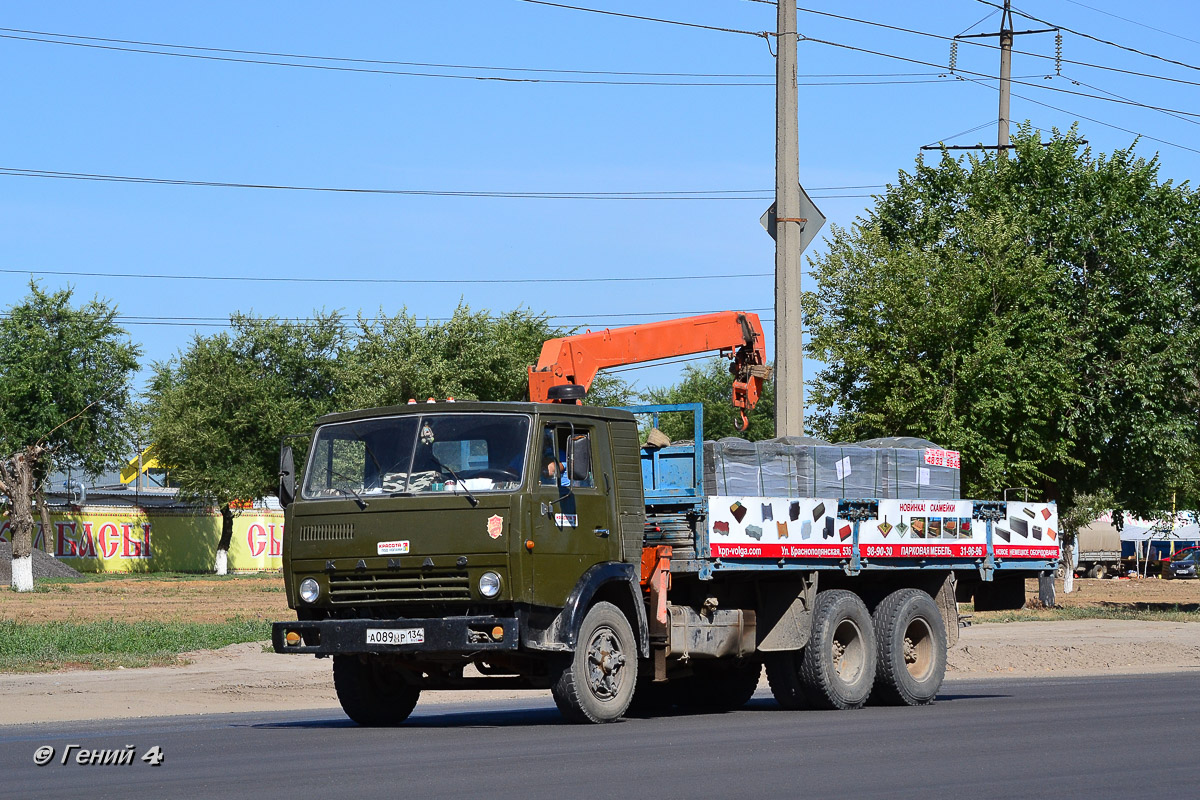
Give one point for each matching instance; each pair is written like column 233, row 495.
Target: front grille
column 399, row 587
column 327, row 533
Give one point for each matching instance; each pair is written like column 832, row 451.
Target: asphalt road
column 1120, row 737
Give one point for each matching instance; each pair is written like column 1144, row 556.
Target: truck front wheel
column 371, row 692
column 911, row 639
column 597, row 683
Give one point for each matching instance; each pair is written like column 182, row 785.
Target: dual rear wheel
column 896, row 656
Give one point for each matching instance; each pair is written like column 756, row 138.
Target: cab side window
column 554, row 468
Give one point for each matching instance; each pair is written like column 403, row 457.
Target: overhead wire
column 965, row 72
column 707, row 194
column 1097, row 39
column 984, row 45
column 385, row 62
column 1089, row 119
column 1171, row 114
column 376, row 71
column 1131, row 21
column 439, row 65
column 760, row 34
column 911, row 77
column 572, row 320
column 952, row 137
column 397, row 281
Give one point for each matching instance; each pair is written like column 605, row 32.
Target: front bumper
column 466, row 635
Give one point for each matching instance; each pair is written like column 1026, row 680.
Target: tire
column 783, row 675
column 597, row 683
column 837, row 666
column 719, row 686
column 910, row 637
column 371, row 693
column 1101, row 571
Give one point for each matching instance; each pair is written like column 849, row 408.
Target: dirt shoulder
column 243, row 677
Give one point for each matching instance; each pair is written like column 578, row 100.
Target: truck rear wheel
column 722, row 685
column 783, row 674
column 911, row 640
column 372, row 693
column 597, row 684
column 837, row 666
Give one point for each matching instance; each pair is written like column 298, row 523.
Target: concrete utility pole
column 789, row 352
column 1006, row 35
column 1006, row 43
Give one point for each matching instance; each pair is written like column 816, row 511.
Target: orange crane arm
column 573, row 361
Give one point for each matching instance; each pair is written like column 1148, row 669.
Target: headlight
column 309, row 590
column 489, row 584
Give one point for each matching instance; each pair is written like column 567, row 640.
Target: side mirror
column 287, row 476
column 579, row 458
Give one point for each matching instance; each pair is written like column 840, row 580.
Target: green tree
column 711, row 384
column 1085, row 509
column 65, row 376
column 1036, row 311
column 474, row 355
column 219, row 410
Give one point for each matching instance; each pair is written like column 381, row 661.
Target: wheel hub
column 606, row 665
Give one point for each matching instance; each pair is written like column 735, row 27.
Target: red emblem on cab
column 495, row 526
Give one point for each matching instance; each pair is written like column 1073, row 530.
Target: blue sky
column 103, row 111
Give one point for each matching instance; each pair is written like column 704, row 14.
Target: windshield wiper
column 362, row 504
column 457, row 480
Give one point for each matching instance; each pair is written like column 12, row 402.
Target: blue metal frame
column 655, row 494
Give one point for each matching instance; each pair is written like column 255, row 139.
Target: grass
column 47, row 646
column 1142, row 612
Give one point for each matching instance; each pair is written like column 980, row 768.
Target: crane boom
column 568, row 365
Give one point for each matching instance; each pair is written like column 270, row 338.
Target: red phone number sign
column 942, row 458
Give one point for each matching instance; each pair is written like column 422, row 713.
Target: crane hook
column 740, row 422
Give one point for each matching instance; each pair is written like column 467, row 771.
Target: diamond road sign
column 812, row 216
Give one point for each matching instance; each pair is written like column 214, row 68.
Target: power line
column 664, row 363
column 384, row 62
column 1114, row 94
column 927, row 78
column 964, row 72
column 438, row 65
column 1131, row 21
column 376, row 71
column 954, row 136
column 761, row 34
column 1098, row 39
column 572, row 320
column 708, row 194
column 1090, row 119
column 399, row 281
column 930, row 35
column 973, row 24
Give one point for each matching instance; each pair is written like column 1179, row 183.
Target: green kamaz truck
column 455, row 545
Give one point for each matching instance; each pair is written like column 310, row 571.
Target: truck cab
column 438, row 545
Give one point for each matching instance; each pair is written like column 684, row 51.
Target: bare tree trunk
column 1069, row 575
column 222, row 565
column 44, row 518
column 16, row 481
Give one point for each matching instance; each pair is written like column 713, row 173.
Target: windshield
column 418, row 454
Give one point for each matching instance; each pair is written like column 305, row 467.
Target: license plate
column 395, row 635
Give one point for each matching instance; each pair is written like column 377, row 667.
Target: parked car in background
column 1183, row 564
